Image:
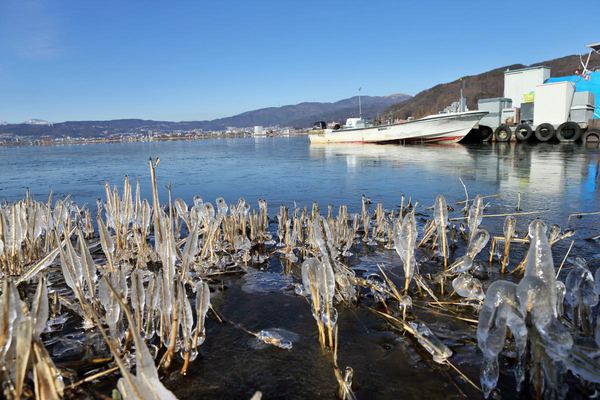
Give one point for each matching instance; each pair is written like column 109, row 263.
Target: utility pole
column 462, row 99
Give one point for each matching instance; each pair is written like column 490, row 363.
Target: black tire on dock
column 568, row 132
column 591, row 136
column 486, row 133
column 545, row 132
column 503, row 133
column 523, row 132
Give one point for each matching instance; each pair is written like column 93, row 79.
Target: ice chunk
column 580, row 286
column 330, row 318
column 275, row 338
column 202, row 304
column 478, row 241
column 535, row 298
column 539, row 259
column 440, row 211
column 405, row 302
column 500, row 303
column 500, row 310
column 509, row 227
column 241, row 242
column 469, row 287
column 583, row 363
column 440, row 214
column 182, row 209
column 405, row 236
column 561, row 290
column 430, row 342
column 222, row 206
column 39, row 308
column 475, row 215
column 9, row 303
column 88, row 265
column 138, row 296
column 321, row 275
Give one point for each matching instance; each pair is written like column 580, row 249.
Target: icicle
column 202, row 305
column 405, row 237
column 106, row 241
column 88, row 265
column 539, row 259
column 186, row 321
column 440, row 215
column 535, row 297
column 478, row 241
column 475, row 216
column 39, row 308
column 23, row 348
column 182, row 210
column 580, row 294
column 138, row 296
column 10, row 312
column 221, row 206
column 509, row 232
column 189, row 251
column 68, row 269
column 430, row 342
column 500, row 309
column 322, row 275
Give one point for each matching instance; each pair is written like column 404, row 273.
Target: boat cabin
column 354, row 123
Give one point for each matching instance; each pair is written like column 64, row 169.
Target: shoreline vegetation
column 141, row 274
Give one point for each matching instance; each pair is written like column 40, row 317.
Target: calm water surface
column 560, row 178
column 554, row 180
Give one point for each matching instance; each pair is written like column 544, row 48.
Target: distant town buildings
column 147, row 135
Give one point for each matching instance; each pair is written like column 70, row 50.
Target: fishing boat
column 449, row 127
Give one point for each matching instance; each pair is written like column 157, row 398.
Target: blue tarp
column 582, row 85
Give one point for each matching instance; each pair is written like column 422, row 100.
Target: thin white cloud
column 30, row 28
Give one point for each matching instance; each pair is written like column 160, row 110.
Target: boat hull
column 436, row 128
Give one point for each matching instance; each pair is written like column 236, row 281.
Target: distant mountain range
column 485, row 85
column 301, row 115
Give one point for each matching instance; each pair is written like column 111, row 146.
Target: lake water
column 561, row 178
column 554, row 180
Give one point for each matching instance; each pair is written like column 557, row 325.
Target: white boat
column 450, row 127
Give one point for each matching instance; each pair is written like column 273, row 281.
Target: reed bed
column 139, row 274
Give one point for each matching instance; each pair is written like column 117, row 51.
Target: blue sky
column 191, row 60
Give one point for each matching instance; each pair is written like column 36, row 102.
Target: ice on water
column 538, row 298
column 469, row 287
column 430, row 342
column 405, row 236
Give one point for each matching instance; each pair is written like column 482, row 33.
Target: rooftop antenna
column 594, row 48
column 359, row 104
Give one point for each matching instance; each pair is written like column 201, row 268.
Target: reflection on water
column 561, row 178
column 546, row 175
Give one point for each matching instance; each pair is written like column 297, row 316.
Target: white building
column 522, row 81
column 259, row 131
